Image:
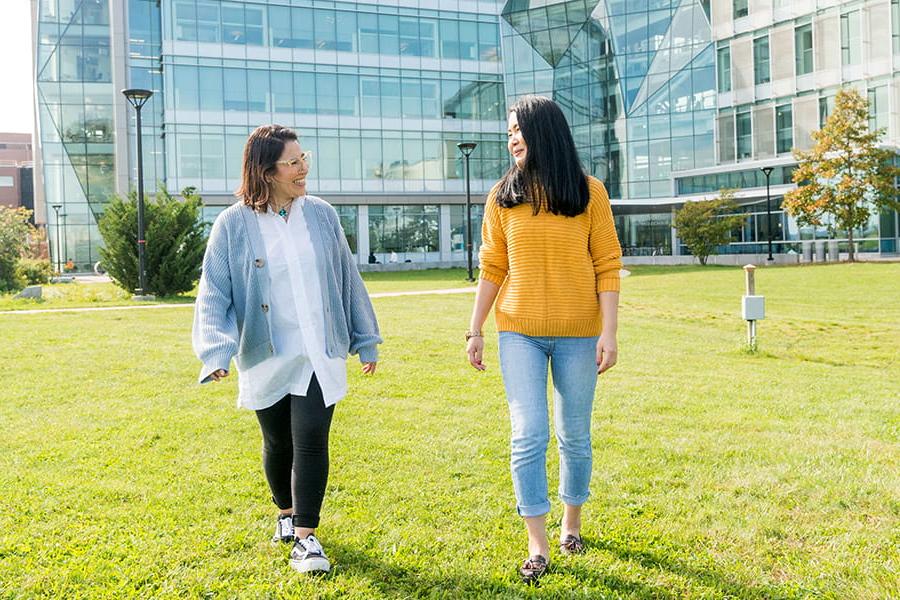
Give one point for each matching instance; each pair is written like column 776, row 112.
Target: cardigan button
column 259, row 263
column 265, row 308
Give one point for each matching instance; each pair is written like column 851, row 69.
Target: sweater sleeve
column 606, row 253
column 215, row 332
column 493, row 260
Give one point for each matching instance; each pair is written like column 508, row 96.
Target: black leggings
column 295, row 452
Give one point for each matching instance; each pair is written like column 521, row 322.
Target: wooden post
column 751, row 280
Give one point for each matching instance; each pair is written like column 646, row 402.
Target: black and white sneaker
column 307, row 556
column 284, row 530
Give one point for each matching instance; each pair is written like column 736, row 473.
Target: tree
column 176, row 239
column 845, row 175
column 14, row 235
column 705, row 224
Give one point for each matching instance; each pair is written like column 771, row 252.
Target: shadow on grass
column 721, row 582
column 412, row 582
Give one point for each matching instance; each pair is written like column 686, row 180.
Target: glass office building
column 779, row 66
column 637, row 83
column 669, row 101
column 672, row 101
column 381, row 94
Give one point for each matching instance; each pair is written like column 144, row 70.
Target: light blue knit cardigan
column 231, row 316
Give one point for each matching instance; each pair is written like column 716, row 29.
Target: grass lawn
column 717, row 473
column 79, row 294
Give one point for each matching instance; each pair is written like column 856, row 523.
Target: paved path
column 465, row 290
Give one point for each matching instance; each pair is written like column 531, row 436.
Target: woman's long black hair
column 552, row 177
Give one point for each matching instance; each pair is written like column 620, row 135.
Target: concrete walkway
column 465, row 290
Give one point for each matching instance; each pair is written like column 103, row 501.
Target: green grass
column 717, row 473
column 81, row 295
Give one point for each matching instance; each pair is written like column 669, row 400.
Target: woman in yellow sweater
column 550, row 258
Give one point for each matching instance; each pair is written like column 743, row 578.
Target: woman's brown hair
column 263, row 149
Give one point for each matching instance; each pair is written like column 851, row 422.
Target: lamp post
column 466, row 148
column 137, row 98
column 56, row 208
column 65, row 250
column 768, row 171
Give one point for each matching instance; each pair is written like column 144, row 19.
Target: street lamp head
column 56, row 207
column 767, row 170
column 466, row 147
column 137, row 97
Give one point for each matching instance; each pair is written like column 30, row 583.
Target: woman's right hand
column 219, row 374
column 475, row 352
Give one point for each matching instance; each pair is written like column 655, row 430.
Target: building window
column 850, row 42
column 878, row 107
column 6, row 181
column 826, row 106
column 458, row 227
column 761, row 60
column 784, row 130
column 740, row 8
column 403, row 232
column 348, row 217
column 803, row 49
column 724, row 70
column 895, row 25
column 744, row 133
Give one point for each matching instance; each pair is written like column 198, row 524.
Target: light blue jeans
column 524, row 361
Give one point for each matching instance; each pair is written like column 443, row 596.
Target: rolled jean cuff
column 574, row 500
column 533, row 510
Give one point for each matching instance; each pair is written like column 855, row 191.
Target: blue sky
column 16, row 97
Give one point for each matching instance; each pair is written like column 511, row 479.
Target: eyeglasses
column 306, row 157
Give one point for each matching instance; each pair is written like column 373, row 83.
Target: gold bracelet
column 471, row 334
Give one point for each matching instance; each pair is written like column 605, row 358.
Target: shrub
column 14, row 232
column 34, row 271
column 175, row 236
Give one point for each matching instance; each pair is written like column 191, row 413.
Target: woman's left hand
column 368, row 368
column 607, row 353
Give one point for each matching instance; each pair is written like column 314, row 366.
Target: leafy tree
column 175, row 235
column 703, row 225
column 14, row 235
column 845, row 175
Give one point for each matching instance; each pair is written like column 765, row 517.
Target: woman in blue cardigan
column 280, row 293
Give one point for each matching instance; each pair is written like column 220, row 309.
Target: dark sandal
column 533, row 569
column 571, row 544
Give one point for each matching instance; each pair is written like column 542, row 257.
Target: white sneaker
column 284, row 529
column 307, row 556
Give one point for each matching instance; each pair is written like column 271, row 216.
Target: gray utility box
column 753, row 308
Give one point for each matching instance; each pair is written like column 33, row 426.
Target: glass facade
column 799, row 57
column 404, row 233
column 75, row 112
column 380, row 94
column 665, row 99
column 637, row 82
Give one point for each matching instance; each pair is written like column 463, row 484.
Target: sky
column 17, row 93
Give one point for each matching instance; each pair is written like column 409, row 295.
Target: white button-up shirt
column 297, row 318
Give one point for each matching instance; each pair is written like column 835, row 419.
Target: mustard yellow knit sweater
column 549, row 267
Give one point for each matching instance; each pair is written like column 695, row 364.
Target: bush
column 34, row 271
column 706, row 224
column 175, row 235
column 14, row 232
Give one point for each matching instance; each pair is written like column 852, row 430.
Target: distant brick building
column 16, row 170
